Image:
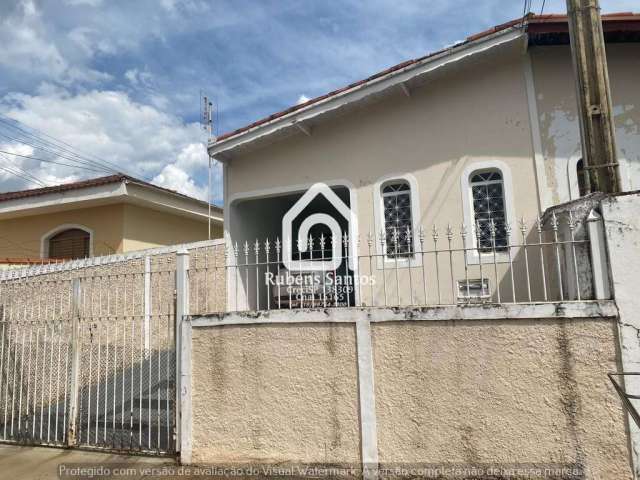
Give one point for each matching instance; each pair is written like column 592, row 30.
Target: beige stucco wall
column 20, row 237
column 269, row 394
column 147, row 228
column 116, row 228
column 476, row 113
column 557, row 110
column 498, row 392
column 531, row 392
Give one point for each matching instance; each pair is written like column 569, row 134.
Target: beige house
column 101, row 216
column 492, row 118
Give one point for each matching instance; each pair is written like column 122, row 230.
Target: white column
column 185, row 393
column 182, row 310
column 368, row 427
column 72, row 424
column 147, row 302
column 599, row 262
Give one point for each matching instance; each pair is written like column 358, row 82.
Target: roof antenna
column 206, row 121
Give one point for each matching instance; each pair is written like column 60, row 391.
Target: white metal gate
column 87, row 359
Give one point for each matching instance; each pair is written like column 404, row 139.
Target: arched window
column 398, row 225
column 69, row 244
column 487, row 192
column 582, row 181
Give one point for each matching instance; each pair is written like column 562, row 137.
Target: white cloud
column 139, row 139
column 137, row 77
column 90, row 3
column 19, row 149
column 302, row 99
column 174, row 178
column 29, row 50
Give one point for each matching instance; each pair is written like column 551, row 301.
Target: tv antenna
column 206, row 121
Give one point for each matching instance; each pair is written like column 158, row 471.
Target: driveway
column 43, row 463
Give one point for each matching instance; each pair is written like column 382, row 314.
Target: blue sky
column 121, row 79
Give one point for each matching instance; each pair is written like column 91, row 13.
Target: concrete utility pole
column 597, row 129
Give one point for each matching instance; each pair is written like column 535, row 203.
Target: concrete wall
column 489, row 391
column 500, row 392
column 275, row 394
column 557, row 111
column 621, row 215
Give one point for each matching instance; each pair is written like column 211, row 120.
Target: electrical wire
column 58, row 154
column 45, row 145
column 11, row 123
column 542, row 8
column 20, row 172
column 88, row 159
column 21, row 176
column 50, row 161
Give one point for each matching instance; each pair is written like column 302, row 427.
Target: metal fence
column 546, row 260
column 87, row 355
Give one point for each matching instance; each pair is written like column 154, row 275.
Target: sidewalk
column 42, row 463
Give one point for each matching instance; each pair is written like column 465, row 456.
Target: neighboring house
column 492, row 117
column 101, row 216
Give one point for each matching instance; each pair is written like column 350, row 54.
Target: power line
column 58, row 154
column 23, row 171
column 11, row 123
column 16, row 170
column 19, row 175
column 50, row 161
column 542, row 8
column 48, row 145
column 58, row 144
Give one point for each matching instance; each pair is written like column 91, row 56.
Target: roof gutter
column 221, row 149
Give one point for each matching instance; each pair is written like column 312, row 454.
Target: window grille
column 487, row 190
column 396, row 199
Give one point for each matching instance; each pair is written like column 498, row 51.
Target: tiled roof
column 541, row 24
column 92, row 182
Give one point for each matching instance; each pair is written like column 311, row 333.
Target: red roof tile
column 92, row 182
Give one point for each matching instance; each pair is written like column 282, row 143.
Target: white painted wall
column 622, row 225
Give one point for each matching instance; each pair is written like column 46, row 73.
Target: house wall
column 473, row 114
column 147, row 228
column 116, row 228
column 621, row 214
column 465, row 392
column 558, row 120
column 476, row 113
column 20, row 237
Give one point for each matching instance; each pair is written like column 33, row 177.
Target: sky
column 120, row 81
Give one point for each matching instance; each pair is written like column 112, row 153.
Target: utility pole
column 597, row 130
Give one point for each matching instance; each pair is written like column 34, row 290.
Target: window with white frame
column 489, row 209
column 398, row 225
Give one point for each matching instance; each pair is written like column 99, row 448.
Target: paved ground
column 41, row 463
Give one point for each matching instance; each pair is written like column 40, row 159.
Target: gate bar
column 75, row 360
